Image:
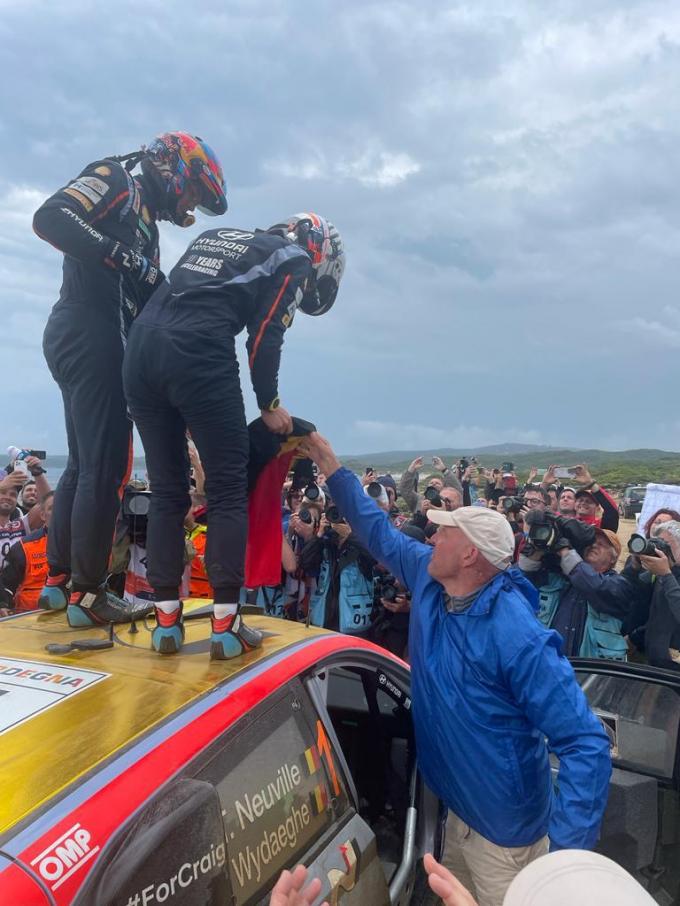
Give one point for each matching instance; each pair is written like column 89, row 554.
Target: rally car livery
column 130, row 779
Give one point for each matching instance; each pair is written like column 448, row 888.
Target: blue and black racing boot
column 168, row 636
column 55, row 593
column 98, row 608
column 231, row 637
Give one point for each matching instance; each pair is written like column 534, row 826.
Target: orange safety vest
column 199, row 586
column 35, row 575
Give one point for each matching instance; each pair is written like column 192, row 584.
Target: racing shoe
column 231, row 637
column 54, row 595
column 97, row 608
column 168, row 636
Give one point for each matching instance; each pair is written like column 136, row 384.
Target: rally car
column 640, row 709
column 133, row 779
column 128, row 778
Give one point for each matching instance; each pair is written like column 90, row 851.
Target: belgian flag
column 271, row 458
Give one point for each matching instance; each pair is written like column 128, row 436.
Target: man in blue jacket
column 492, row 695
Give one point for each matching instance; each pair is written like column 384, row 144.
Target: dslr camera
column 386, row 586
column 432, row 494
column 647, row 547
column 512, row 504
column 333, row 514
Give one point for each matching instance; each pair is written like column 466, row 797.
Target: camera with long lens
column 546, row 532
column 432, row 494
column 647, row 547
column 333, row 514
column 513, row 504
column 305, row 515
column 135, row 509
column 312, row 491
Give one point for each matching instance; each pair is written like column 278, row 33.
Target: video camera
column 647, row 547
column 548, row 532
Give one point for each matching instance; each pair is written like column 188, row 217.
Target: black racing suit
column 104, row 223
column 181, row 372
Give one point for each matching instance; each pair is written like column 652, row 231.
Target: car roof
column 64, row 714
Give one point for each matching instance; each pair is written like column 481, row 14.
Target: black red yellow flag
column 271, row 457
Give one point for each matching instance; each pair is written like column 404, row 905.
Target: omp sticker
column 28, row 688
column 65, row 856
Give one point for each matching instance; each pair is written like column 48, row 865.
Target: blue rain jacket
column 489, row 685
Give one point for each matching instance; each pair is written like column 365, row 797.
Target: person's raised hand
column 549, row 477
column 368, row 477
column 416, row 465
column 401, row 604
column 320, row 451
column 279, row 421
column 15, row 479
column 289, row 890
column 445, row 885
column 657, row 564
column 533, row 472
column 582, row 475
column 438, row 463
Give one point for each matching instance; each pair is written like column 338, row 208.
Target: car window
column 280, row 790
column 370, row 713
column 642, row 718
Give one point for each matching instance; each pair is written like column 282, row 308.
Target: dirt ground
column 627, row 527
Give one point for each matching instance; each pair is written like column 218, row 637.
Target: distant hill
column 611, row 469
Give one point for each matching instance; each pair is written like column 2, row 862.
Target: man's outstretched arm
column 401, row 554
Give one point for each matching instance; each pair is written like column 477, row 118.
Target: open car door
column 640, row 708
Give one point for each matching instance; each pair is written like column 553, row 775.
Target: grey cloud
column 504, row 177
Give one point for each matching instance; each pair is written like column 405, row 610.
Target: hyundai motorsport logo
column 65, row 856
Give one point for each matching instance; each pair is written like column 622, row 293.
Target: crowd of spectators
column 566, row 544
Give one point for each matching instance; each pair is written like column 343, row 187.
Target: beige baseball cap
column 574, row 876
column 488, row 530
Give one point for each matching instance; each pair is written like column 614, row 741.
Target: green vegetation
column 612, row 470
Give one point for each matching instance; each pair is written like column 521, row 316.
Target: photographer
column 580, row 594
column 25, row 569
column 587, row 499
column 494, row 486
column 656, row 579
column 393, row 602
column 343, row 569
column 13, row 526
column 408, row 483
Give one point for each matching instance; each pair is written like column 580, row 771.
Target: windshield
column 643, row 720
column 637, row 493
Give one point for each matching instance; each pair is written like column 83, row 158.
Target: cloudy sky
column 505, row 176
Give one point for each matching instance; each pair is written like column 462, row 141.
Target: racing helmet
column 322, row 242
column 175, row 158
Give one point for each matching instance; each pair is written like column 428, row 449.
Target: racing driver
column 104, row 222
column 181, row 372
